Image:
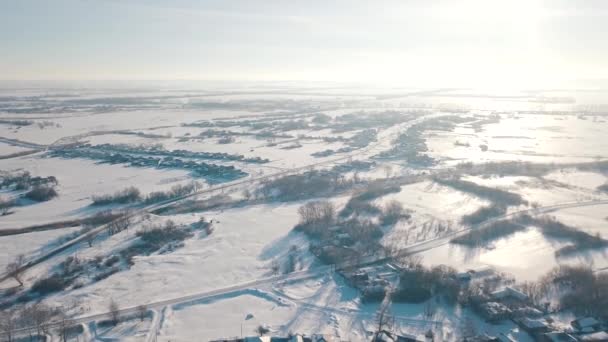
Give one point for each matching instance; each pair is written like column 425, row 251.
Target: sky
column 402, row 42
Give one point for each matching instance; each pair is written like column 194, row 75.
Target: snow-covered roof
column 533, row 323
column 509, row 292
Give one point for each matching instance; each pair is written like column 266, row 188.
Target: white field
column 30, row 244
column 534, row 138
column 248, row 239
column 241, row 249
column 79, row 180
column 526, row 255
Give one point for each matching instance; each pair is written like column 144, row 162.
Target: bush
column 316, row 217
column 128, row 195
column 501, row 197
column 359, row 206
column 157, row 237
column 106, row 274
column 486, row 234
column 102, row 217
column 483, row 214
column 393, row 212
column 414, row 294
column 111, row 261
column 307, row 185
column 175, row 191
column 48, row 285
column 377, row 189
column 552, row 228
column 41, row 193
column 5, row 206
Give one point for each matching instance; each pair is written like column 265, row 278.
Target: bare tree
column 65, row 324
column 384, row 320
column 120, row 224
column 142, row 310
column 5, row 206
column 429, row 310
column 468, row 328
column 8, row 324
column 40, row 315
column 388, row 170
column 317, row 212
column 262, row 330
column 114, row 312
column 89, row 238
column 15, row 268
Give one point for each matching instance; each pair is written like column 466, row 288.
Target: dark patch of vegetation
column 393, row 212
column 156, row 237
column 176, row 191
column 603, row 188
column 20, row 123
column 41, row 193
column 500, row 197
column 378, row 189
column 301, row 186
column 581, row 290
column 24, row 180
column 54, row 283
column 5, row 206
column 127, row 195
column 417, row 283
column 358, row 206
column 192, row 206
column 486, row 234
column 552, row 228
column 508, row 168
column 316, row 217
column 483, row 214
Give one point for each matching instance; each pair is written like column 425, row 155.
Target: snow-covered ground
column 250, row 239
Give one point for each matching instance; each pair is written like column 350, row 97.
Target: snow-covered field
column 242, row 257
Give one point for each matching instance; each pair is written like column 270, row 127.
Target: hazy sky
column 403, row 41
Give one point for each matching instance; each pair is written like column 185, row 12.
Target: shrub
column 177, row 190
column 552, row 228
column 377, row 189
column 358, row 206
column 393, row 212
column 51, row 284
column 483, row 214
column 414, row 294
column 41, row 193
column 111, row 261
column 307, row 185
column 501, row 197
column 486, row 234
column 5, row 206
column 316, row 217
column 157, row 237
column 128, row 195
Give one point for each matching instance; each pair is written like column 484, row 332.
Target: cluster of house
column 510, row 303
column 226, row 172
